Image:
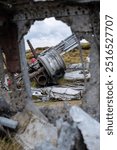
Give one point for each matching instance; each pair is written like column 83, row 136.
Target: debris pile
column 66, row 129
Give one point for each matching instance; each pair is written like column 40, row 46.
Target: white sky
column 48, row 32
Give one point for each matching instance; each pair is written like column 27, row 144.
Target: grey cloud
column 47, row 33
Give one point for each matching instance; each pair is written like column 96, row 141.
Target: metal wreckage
column 16, row 18
column 48, row 66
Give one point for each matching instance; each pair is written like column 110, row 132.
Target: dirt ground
column 51, row 104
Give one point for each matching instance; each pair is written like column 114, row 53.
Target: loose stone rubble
column 89, row 127
column 66, row 129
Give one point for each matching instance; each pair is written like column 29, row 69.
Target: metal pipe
column 8, row 122
column 40, row 70
column 32, row 49
column 42, row 80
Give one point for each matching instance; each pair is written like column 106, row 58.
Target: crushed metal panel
column 77, row 75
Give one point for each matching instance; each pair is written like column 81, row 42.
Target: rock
column 90, row 128
column 56, row 115
column 45, row 146
column 35, row 131
column 60, row 132
column 4, row 107
column 68, row 135
column 59, row 123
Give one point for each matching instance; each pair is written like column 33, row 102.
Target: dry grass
column 59, row 103
column 70, row 57
column 9, row 144
column 73, row 56
column 29, row 54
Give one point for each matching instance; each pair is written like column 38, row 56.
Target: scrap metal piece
column 32, row 49
column 65, row 46
column 58, row 92
column 77, row 75
column 51, row 61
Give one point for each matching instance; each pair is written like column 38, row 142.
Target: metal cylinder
column 53, row 64
column 8, row 122
column 42, row 80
